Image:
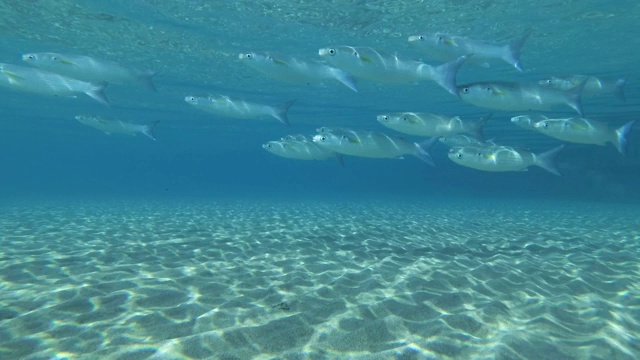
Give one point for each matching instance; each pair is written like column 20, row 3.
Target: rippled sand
column 320, row 280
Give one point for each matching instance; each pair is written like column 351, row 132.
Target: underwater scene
column 429, row 179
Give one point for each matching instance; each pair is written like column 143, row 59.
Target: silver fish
column 527, row 121
column 585, row 131
column 513, row 96
column 117, row 126
column 373, row 144
column 89, row 69
column 48, row 83
column 427, row 124
column 593, row 86
column 461, row 140
column 367, row 63
column 503, row 158
column 300, row 150
column 445, row 47
column 291, row 69
column 235, row 108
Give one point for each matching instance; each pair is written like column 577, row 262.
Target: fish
column 586, row 131
column 527, row 121
column 461, row 140
column 427, row 124
column 504, row 158
column 44, row 82
column 294, row 70
column 296, row 137
column 368, row 63
column 89, row 69
column 594, row 86
column 224, row 106
column 117, row 126
column 446, row 47
column 514, row 96
column 301, row 150
column 372, row 144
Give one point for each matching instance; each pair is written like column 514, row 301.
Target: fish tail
column 146, row 79
column 622, row 134
column 445, row 74
column 512, row 52
column 345, row 79
column 97, row 93
column 280, row 112
column 477, row 129
column 423, row 148
column 574, row 97
column 619, row 90
column 547, row 160
column 148, row 130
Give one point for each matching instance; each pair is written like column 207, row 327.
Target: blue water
column 208, row 170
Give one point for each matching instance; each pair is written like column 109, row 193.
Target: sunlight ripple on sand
column 319, row 280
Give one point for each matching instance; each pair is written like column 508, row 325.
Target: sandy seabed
column 319, row 280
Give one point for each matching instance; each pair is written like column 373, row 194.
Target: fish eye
column 332, row 51
column 323, row 138
column 385, row 118
column 459, row 155
column 192, row 98
column 248, row 56
column 545, row 125
column 31, row 57
column 269, row 146
column 465, row 90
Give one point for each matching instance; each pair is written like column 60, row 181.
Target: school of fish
column 69, row 75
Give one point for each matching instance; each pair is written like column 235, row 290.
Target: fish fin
column 66, row 62
column 622, row 134
column 547, row 160
column 344, row 78
column 366, row 59
column 148, row 130
column 445, row 74
column 97, row 93
column 280, row 62
column 619, row 91
column 13, row 77
column 146, row 79
column 280, row 112
column 477, row 129
column 340, row 159
column 512, row 51
column 423, row 148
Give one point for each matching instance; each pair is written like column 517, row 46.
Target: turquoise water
column 202, row 245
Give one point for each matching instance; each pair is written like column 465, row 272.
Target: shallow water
column 201, row 245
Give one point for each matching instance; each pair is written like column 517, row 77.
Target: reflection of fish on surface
column 44, row 82
column 117, row 126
